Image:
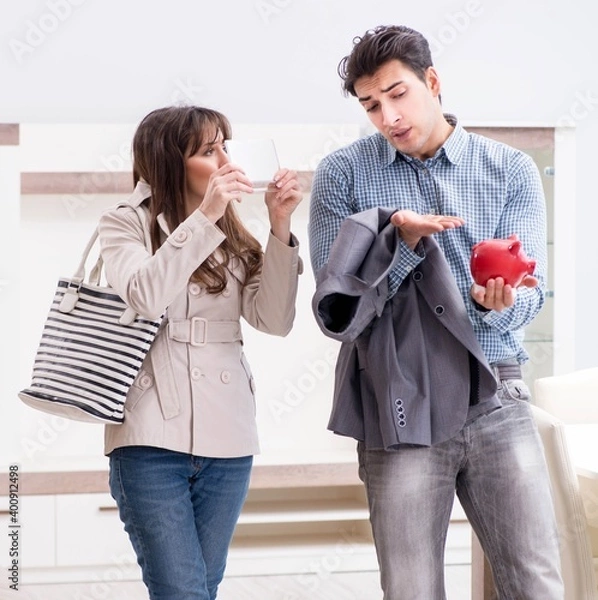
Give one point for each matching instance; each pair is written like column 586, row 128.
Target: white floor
column 332, row 586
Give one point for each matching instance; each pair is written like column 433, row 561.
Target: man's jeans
column 180, row 512
column 497, row 466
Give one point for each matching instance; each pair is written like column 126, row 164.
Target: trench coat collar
column 141, row 193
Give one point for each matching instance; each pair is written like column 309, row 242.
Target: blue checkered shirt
column 495, row 188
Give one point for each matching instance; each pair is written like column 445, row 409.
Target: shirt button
column 194, row 289
column 439, row 309
column 225, row 376
column 196, row 373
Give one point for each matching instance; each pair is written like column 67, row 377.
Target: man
column 428, row 415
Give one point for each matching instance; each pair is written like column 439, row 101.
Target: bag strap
column 96, row 272
column 72, row 291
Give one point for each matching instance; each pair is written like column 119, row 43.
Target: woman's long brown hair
column 164, row 139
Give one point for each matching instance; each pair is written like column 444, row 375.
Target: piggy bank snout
column 531, row 266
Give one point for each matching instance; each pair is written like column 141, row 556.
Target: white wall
column 274, row 61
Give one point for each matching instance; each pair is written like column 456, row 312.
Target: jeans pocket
column 515, row 389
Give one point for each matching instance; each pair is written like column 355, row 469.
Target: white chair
column 572, row 398
column 576, row 554
column 560, row 400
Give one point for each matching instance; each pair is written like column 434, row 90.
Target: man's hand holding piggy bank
column 498, row 267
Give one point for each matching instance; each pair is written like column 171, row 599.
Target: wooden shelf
column 300, row 511
column 263, row 477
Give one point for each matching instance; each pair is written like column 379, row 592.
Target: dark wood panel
column 96, row 182
column 525, row 138
column 9, row 134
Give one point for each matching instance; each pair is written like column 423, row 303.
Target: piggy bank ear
column 515, row 246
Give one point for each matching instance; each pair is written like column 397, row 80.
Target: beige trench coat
column 195, row 391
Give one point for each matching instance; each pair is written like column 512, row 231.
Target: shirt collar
column 453, row 148
column 456, row 143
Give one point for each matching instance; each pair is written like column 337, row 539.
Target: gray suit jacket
column 409, row 368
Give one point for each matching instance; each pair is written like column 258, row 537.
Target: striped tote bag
column 91, row 350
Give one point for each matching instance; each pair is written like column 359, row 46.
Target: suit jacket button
column 439, row 310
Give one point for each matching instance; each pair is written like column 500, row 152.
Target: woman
column 180, row 463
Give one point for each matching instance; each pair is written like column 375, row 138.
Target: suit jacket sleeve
column 352, row 287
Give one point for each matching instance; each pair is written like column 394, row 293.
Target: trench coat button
column 252, row 384
column 145, row 381
column 179, row 237
column 439, row 310
column 194, row 289
column 226, row 292
column 225, row 376
column 196, row 373
column 418, row 276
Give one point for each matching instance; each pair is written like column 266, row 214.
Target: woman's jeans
column 180, row 512
column 497, row 466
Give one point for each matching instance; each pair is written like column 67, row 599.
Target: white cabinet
column 33, row 537
column 90, row 532
column 303, row 530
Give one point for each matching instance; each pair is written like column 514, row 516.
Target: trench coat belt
column 198, row 331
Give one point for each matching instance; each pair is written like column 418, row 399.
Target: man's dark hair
column 380, row 45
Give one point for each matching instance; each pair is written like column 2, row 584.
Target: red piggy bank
column 500, row 258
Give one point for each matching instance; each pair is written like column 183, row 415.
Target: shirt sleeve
column 329, row 207
column 524, row 214
column 332, row 202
